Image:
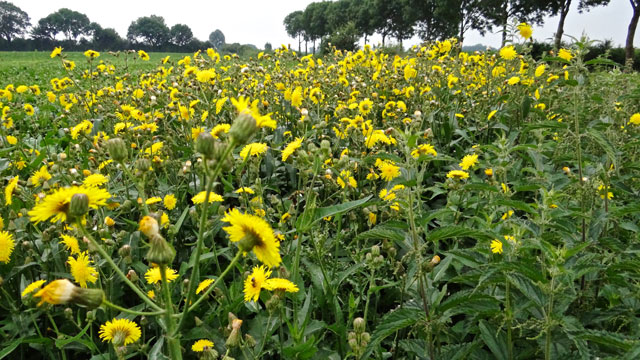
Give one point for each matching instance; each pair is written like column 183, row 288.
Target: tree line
column 74, row 31
column 344, row 22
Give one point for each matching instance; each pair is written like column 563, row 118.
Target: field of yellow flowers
column 438, row 205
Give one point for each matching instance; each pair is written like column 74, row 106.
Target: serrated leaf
column 392, row 322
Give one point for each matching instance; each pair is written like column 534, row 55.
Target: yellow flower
column 8, row 191
column 40, row 176
column 56, row 292
column 388, row 171
column 513, row 80
column 213, row 197
column 253, row 233
column 6, row 246
column 488, row 172
column 56, row 52
column 424, row 149
column 253, row 149
column 508, row 53
column 254, row 282
column 153, row 275
column 457, row 174
column 245, row 190
column 203, row 285
column 365, row 106
column 220, row 128
column 68, row 64
column 81, row 270
column 71, row 243
column 635, row 119
column 496, row 246
column 91, row 54
column 507, row 215
column 296, row 97
column 120, row 332
column 202, row 345
column 540, row 70
column 280, row 284
column 28, row 109
column 291, row 148
column 95, row 180
column 148, row 226
column 36, row 285
column 143, row 55
column 170, row 201
column 109, row 221
column 525, row 30
column 565, row 54
column 12, row 140
column 469, row 161
column 56, row 204
column 153, row 200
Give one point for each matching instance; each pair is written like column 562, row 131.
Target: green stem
column 366, row 305
column 115, row 267
column 138, row 187
column 508, row 311
column 195, row 274
column 129, row 311
column 204, row 295
column 172, row 341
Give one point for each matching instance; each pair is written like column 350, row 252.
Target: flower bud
column 249, row 340
column 79, row 205
column 205, row 145
column 272, row 303
column 143, row 165
column 125, row 250
column 160, row 251
column 375, row 250
column 243, row 128
column 149, row 226
column 117, row 149
column 359, row 325
column 132, row 275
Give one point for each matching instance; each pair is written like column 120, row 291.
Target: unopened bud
column 132, row 275
column 160, row 251
column 117, row 149
column 243, row 128
column 79, row 205
column 359, row 325
column 249, row 340
column 205, row 145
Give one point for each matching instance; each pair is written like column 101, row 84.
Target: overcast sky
column 260, row 21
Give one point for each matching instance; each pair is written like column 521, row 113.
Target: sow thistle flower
column 202, row 345
column 388, row 170
column 508, row 53
column 120, row 332
column 213, row 197
column 7, row 244
column 469, row 161
column 36, row 285
column 259, row 279
column 204, row 284
column 457, row 174
column 424, row 149
column 253, row 233
column 63, row 291
column 291, row 148
column 153, row 275
column 8, row 191
column 57, row 204
column 525, row 30
column 635, row 119
column 253, row 149
column 81, row 270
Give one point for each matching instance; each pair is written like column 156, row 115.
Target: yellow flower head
column 496, row 246
column 424, row 149
column 8, row 191
column 565, row 54
column 143, row 55
column 56, row 52
column 95, row 180
column 291, row 148
column 469, row 161
column 254, row 282
column 153, row 275
column 81, row 270
column 40, row 176
column 148, row 226
column 213, row 197
column 253, row 233
column 170, row 201
column 458, row 174
column 525, row 30
column 253, row 149
column 120, row 332
column 56, row 204
column 276, row 284
column 202, row 345
column 203, row 285
column 635, row 119
column 508, row 53
column 7, row 244
column 36, row 285
column 388, row 170
column 71, row 243
column 90, row 54
column 56, row 292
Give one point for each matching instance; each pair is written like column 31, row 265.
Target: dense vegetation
column 436, row 205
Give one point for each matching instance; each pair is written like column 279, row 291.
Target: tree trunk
column 628, row 50
column 306, row 49
column 314, row 46
column 563, row 15
column 299, row 43
column 383, row 37
column 505, row 21
column 365, row 39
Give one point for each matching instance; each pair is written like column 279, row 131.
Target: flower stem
column 173, row 342
column 213, row 286
column 115, row 267
column 129, row 311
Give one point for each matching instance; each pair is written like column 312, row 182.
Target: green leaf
column 605, row 144
column 381, row 232
column 456, row 232
column 312, row 215
column 495, row 340
column 528, row 289
column 392, row 322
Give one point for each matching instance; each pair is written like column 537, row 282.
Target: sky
column 260, row 21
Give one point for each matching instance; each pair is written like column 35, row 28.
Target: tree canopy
column 13, row 21
column 149, row 30
column 216, row 38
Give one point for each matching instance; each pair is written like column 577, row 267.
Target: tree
column 45, row 30
column 394, row 18
column 633, row 25
column 314, row 20
column 216, row 39
column 562, row 9
column 106, row 39
column 181, row 34
column 268, row 46
column 68, row 22
column 149, row 30
column 13, row 21
column 362, row 14
column 294, row 26
column 499, row 12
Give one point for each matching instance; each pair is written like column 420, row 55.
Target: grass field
column 439, row 205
